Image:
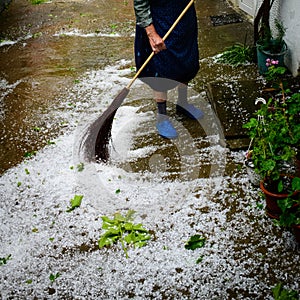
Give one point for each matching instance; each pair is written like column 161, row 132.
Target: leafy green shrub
column 237, row 55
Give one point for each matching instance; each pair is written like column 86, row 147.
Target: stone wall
column 289, row 12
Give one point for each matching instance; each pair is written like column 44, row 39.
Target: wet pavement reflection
column 45, row 49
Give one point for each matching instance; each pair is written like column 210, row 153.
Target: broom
column 104, row 122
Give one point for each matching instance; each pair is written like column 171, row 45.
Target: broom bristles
column 105, row 125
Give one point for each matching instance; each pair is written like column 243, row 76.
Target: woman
column 176, row 60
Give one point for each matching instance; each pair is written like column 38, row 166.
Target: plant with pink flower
column 271, row 62
column 275, row 73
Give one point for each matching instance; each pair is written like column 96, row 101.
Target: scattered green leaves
column 3, row 260
column 80, row 167
column 37, row 35
column 199, row 260
column 195, row 241
column 280, row 293
column 113, row 28
column 53, row 277
column 30, row 154
column 37, row 129
column 75, row 202
column 121, row 228
column 35, row 2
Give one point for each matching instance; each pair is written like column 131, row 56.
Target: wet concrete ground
column 44, row 60
column 43, row 63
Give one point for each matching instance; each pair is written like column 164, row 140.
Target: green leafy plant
column 75, row 202
column 290, row 207
column 274, row 43
column 275, row 132
column 195, row 241
column 237, row 55
column 275, row 73
column 280, row 293
column 121, row 228
column 271, row 141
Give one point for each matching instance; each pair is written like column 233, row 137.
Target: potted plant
column 290, row 216
column 275, row 134
column 268, row 44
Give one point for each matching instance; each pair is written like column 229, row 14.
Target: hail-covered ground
column 49, row 253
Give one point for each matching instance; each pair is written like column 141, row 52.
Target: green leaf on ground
column 4, row 260
column 121, row 228
column 195, row 241
column 75, row 202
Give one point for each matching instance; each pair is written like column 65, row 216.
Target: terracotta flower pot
column 272, row 208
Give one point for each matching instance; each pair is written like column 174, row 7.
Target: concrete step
column 234, row 104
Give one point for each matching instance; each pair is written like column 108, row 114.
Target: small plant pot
column 271, row 201
column 262, row 56
column 296, row 231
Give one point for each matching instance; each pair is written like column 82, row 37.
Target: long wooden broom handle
column 164, row 38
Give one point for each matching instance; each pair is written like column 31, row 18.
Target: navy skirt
column 180, row 61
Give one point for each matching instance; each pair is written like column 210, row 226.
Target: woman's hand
column 156, row 42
